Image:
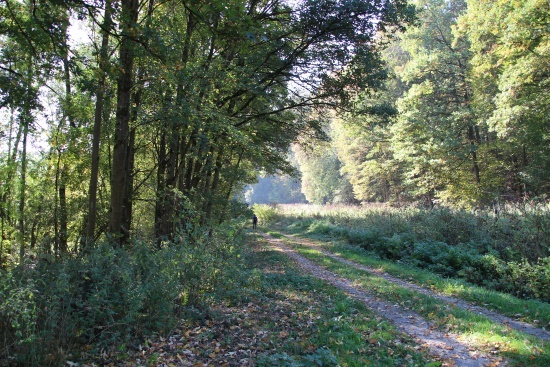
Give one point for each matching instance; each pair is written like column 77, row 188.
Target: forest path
column 444, row 345
column 491, row 315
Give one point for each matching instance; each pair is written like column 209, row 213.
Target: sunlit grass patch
column 533, row 311
column 313, row 322
column 487, row 335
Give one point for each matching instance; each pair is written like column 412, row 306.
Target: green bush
column 266, row 213
column 389, row 248
column 363, row 237
column 529, row 280
column 324, row 227
column 111, row 297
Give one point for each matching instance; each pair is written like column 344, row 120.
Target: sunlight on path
column 445, row 346
column 521, row 326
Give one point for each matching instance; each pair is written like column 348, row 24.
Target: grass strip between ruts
column 320, row 318
column 520, row 349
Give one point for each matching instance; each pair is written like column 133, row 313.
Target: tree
column 102, row 62
column 510, row 73
column 322, row 182
column 367, row 160
column 436, row 135
column 206, row 95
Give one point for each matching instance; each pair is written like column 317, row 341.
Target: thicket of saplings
column 53, row 310
column 506, row 248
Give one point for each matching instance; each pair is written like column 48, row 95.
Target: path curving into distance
column 444, row 346
column 521, row 326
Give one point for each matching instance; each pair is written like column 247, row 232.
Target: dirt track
column 447, row 347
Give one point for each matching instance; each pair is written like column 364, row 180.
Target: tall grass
column 507, row 248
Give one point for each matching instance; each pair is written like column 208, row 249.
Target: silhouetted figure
column 254, row 221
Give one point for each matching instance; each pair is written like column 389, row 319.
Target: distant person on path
column 254, row 221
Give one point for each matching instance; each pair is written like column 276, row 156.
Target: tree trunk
column 161, row 187
column 23, row 184
column 129, row 192
column 130, row 154
column 119, row 179
column 215, row 182
column 6, row 207
column 175, row 160
column 63, row 248
column 475, row 166
column 100, row 98
column 63, row 226
column 232, row 180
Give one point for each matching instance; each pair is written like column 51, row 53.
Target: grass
column 519, row 348
column 320, row 321
column 532, row 311
column 278, row 316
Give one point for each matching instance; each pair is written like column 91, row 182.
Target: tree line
column 462, row 118
column 153, row 126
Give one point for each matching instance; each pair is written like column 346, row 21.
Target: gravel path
column 444, row 346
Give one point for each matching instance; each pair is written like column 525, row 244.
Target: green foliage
column 112, row 296
column 509, row 77
column 266, row 213
column 461, row 119
column 528, row 280
column 322, row 182
column 479, row 247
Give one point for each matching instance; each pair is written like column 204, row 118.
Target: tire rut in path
column 444, row 346
column 491, row 315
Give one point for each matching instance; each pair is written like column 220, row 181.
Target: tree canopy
column 462, row 117
column 171, row 108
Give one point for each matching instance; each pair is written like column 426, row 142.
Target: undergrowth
column 519, row 348
column 110, row 297
column 507, row 251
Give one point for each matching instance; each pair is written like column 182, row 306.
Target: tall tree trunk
column 119, row 179
column 68, row 115
column 172, row 170
column 232, row 180
column 170, row 196
column 215, row 183
column 100, row 98
column 23, row 184
column 63, row 248
column 130, row 154
column 161, row 184
column 473, row 154
column 25, row 120
column 6, row 207
column 129, row 192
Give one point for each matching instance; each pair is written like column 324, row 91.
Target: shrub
column 266, row 213
column 110, row 296
column 364, row 237
column 388, row 248
column 324, row 227
column 530, row 280
column 489, row 269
